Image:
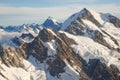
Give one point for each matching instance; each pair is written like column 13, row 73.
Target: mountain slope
column 52, row 55
column 84, row 49
column 91, row 24
column 23, row 28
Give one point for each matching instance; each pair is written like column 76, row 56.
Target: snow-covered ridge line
column 72, row 18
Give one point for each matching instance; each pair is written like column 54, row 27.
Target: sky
column 18, row 12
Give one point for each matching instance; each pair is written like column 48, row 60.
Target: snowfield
column 89, row 49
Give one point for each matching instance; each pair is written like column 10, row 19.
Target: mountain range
column 85, row 47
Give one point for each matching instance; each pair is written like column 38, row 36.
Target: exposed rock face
column 105, row 73
column 29, row 36
column 93, row 70
column 46, row 36
column 12, row 56
column 114, row 20
column 98, row 37
column 97, row 71
column 67, row 54
column 56, row 65
column 87, row 15
column 37, row 49
column 17, row 41
column 67, row 40
column 79, row 30
column 77, row 27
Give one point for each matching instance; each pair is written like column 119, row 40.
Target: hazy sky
column 16, row 12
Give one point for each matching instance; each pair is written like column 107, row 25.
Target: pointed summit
column 52, row 19
column 51, row 22
column 85, row 13
column 84, row 10
column 74, row 17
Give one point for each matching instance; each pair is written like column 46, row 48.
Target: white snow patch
column 32, row 71
column 112, row 30
column 51, row 31
column 42, row 67
column 89, row 49
column 70, row 73
column 51, row 48
column 93, row 27
column 13, row 73
column 97, row 16
column 110, row 42
column 90, row 25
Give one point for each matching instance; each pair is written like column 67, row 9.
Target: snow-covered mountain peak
column 52, row 19
column 92, row 24
column 88, row 48
column 84, row 10
column 74, row 17
column 97, row 18
column 51, row 22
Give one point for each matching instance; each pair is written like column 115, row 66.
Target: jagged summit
column 100, row 19
column 74, row 17
column 103, row 18
column 52, row 19
column 51, row 22
column 84, row 10
column 94, row 25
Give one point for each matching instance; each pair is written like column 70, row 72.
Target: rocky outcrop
column 76, row 28
column 12, row 56
column 17, row 41
column 88, row 16
column 99, row 71
column 29, row 36
column 103, row 72
column 67, row 54
column 46, row 35
column 67, row 40
column 37, row 49
column 98, row 37
column 114, row 20
column 56, row 65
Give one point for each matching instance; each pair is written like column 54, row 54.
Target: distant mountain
column 1, row 27
column 12, row 33
column 52, row 23
column 23, row 28
column 87, row 47
column 24, row 38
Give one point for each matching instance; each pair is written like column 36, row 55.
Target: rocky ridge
column 54, row 55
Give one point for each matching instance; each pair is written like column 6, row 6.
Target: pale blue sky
column 16, row 12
